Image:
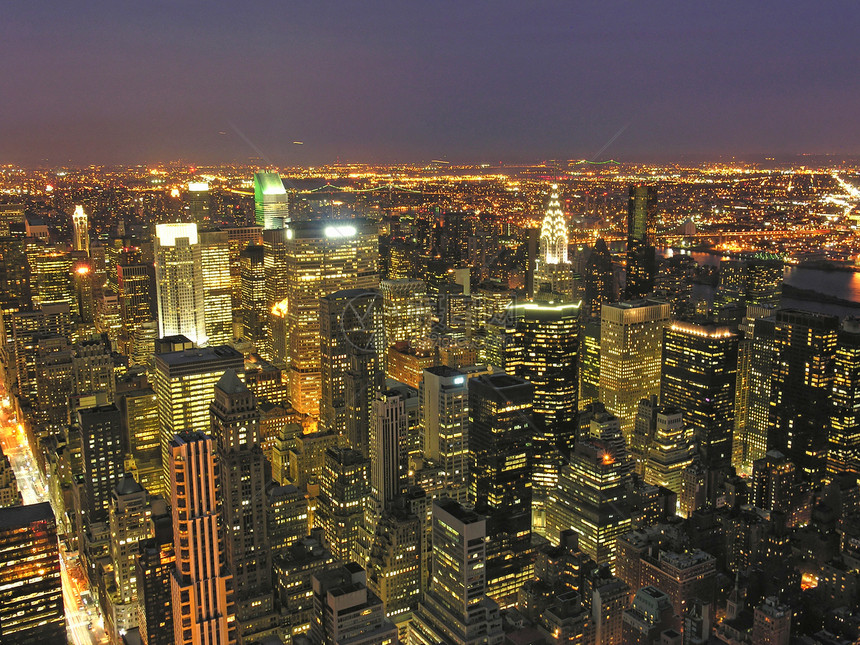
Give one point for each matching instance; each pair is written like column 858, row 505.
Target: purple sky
column 113, row 82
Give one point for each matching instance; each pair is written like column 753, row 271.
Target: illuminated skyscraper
column 197, row 203
column 322, row 257
column 179, row 282
column 51, row 277
column 81, row 241
column 235, row 429
column 350, row 323
column 406, row 310
column 240, row 238
column 344, row 489
column 699, row 376
column 500, row 433
column 631, row 342
column 184, row 385
column 641, row 242
column 591, row 499
column 388, row 447
column 270, row 200
column 805, row 348
column 139, row 408
column 844, row 453
column 444, row 396
column 31, row 592
column 670, row 451
column 253, row 297
column 217, row 297
column 135, row 298
column 552, row 266
column 455, row 608
column 203, row 604
column 102, row 453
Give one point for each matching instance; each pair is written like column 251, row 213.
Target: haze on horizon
column 208, row 82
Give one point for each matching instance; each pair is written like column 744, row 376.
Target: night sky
column 116, row 82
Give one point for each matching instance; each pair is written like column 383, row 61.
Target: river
column 841, row 284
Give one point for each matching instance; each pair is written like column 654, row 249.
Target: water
column 841, row 284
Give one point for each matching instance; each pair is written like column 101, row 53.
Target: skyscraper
column 805, row 348
column 81, row 240
column 217, row 296
column 670, row 451
column 102, row 453
column 135, row 299
column 631, row 340
column 270, row 200
column 444, row 396
column 544, row 350
column 321, row 258
column 844, row 452
column 699, row 376
column 31, row 593
column 253, row 296
column 641, row 242
column 201, row 585
column 235, row 429
column 179, row 282
column 350, row 323
column 553, row 270
column 388, row 447
column 197, row 203
column 406, row 310
column 599, row 279
column 184, row 386
column 344, row 489
column 455, row 608
column 500, row 432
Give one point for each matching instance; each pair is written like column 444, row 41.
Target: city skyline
column 508, row 82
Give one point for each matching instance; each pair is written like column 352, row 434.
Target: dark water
column 841, row 284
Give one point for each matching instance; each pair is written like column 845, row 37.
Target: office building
column 388, row 447
column 346, row 611
column 699, row 377
column 750, row 280
column 321, row 258
column 455, row 608
column 81, row 231
column 649, row 616
column 844, row 451
column 500, row 430
column 599, row 279
column 203, row 605
column 444, row 396
column 129, row 521
column 631, row 340
column 184, row 387
column 51, row 277
column 544, row 350
column 255, row 315
column 271, row 209
column 641, row 242
column 350, row 326
column 179, row 282
column 286, row 515
column 591, row 499
column 235, row 429
column 406, row 310
column 240, row 238
column 804, row 348
column 31, row 593
column 670, row 451
column 135, row 299
column 772, row 623
column 197, row 203
column 553, row 272
column 102, row 452
column 153, row 569
column 139, row 409
column 217, row 288
column 344, row 488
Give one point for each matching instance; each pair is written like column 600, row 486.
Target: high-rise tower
column 631, row 340
column 201, row 585
column 641, row 241
column 81, row 225
column 235, row 429
column 179, row 282
column 552, row 266
column 271, row 209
